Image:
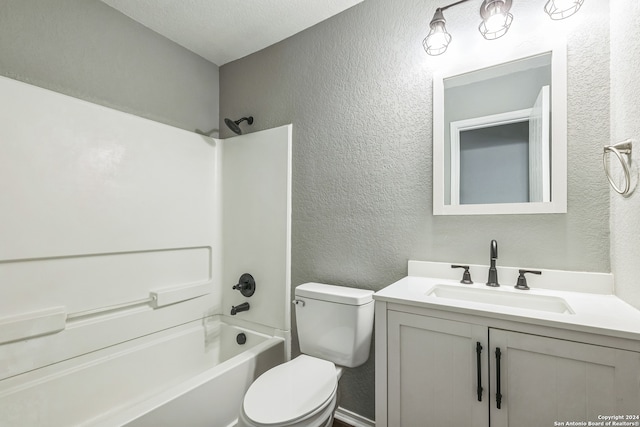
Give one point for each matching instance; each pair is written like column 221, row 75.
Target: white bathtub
column 192, row 375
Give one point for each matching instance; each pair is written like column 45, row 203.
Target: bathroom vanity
column 468, row 355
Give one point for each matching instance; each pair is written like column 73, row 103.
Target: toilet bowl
column 335, row 325
column 301, row 392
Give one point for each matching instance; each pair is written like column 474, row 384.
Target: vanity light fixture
column 496, row 21
column 560, row 9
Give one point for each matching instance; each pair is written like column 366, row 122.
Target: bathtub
column 191, row 375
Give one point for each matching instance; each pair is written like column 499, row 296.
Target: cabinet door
column 433, row 372
column 545, row 380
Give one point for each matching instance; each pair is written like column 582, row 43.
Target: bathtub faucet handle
column 238, row 308
column 246, row 285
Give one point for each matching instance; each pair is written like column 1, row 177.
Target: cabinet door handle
column 498, row 394
column 479, row 369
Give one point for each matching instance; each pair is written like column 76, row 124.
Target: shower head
column 234, row 125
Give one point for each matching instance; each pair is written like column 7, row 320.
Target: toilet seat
column 300, row 389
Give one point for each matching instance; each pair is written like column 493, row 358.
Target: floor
column 338, row 423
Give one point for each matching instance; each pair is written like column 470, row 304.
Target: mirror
column 500, row 136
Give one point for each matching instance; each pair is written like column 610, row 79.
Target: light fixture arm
column 452, row 4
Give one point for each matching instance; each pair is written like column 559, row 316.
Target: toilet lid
column 291, row 390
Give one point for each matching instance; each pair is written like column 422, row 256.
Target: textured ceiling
column 225, row 30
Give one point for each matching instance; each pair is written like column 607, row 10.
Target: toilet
column 335, row 325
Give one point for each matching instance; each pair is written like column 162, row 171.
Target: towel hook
column 619, row 149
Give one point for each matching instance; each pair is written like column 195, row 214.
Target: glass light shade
column 560, row 9
column 496, row 20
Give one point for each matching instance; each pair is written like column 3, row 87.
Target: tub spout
column 238, row 308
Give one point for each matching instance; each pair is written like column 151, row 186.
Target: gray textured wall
column 88, row 50
column 357, row 88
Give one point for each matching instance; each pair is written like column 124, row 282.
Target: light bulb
column 496, row 22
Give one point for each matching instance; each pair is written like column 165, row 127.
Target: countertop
column 594, row 313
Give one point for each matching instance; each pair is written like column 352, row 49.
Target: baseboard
column 352, row 418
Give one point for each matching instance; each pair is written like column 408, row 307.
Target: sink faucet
column 493, row 273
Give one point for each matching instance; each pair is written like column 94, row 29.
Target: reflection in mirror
column 478, row 145
column 500, row 138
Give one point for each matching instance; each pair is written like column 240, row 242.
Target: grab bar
column 157, row 298
column 54, row 319
column 114, row 307
column 178, row 293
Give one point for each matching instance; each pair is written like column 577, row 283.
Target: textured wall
column 88, row 50
column 357, row 89
column 625, row 110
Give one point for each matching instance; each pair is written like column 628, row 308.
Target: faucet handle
column 466, row 276
column 522, row 281
column 246, row 285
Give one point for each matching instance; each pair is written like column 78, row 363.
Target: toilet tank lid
column 332, row 293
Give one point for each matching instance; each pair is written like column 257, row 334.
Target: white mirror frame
column 558, row 203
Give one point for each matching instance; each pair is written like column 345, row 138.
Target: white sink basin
column 502, row 297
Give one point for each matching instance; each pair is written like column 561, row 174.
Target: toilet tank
column 335, row 323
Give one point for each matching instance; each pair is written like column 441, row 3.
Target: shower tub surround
column 120, row 257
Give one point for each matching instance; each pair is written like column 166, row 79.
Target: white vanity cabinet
column 430, row 365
